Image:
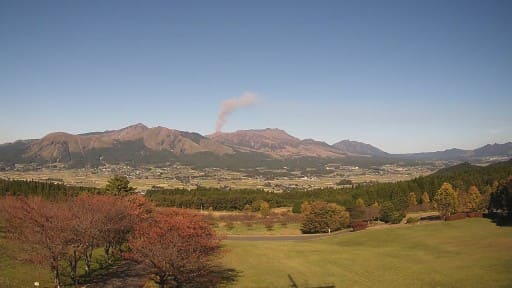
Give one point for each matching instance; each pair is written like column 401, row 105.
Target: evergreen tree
column 390, row 214
column 501, row 199
column 119, row 186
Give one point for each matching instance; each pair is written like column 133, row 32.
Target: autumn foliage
column 322, row 217
column 42, row 226
column 63, row 233
column 178, row 247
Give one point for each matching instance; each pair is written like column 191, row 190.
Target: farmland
column 178, row 176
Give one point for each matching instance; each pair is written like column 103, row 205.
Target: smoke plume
column 230, row 105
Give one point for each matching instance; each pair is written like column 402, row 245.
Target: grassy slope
column 259, row 229
column 466, row 253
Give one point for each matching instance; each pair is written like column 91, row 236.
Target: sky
column 405, row 76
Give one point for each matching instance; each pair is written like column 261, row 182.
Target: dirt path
column 124, row 274
column 305, row 237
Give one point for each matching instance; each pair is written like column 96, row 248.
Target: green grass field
column 466, row 253
column 259, row 229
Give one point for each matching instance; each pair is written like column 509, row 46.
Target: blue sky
column 405, row 76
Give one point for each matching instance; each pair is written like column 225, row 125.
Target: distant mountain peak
column 275, row 142
column 138, row 126
column 360, row 148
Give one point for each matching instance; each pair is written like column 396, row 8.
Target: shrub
column 456, row 216
column 412, row 220
column 358, row 225
column 230, row 225
column 296, row 207
column 475, row 214
column 269, row 224
column 264, row 209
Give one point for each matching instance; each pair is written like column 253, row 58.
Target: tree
column 296, row 207
column 411, row 200
column 55, row 233
column 256, row 205
column 359, row 212
column 374, row 212
column 474, row 198
column 103, row 221
column 264, row 209
column 501, row 198
column 119, row 186
column 446, row 200
column 43, row 228
column 178, row 247
column 390, row 214
column 324, row 217
column 425, row 201
column 305, row 208
column 117, row 222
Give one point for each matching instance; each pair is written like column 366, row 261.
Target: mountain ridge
column 141, row 144
column 360, row 148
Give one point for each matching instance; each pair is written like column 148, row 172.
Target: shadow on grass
column 431, row 218
column 226, row 276
column 294, row 284
column 120, row 274
column 131, row 274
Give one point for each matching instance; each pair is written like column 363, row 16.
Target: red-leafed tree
column 116, row 223
column 178, row 247
column 43, row 227
column 88, row 220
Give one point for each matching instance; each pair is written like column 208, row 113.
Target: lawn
column 465, row 253
column 259, row 229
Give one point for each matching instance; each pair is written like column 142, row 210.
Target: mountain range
column 139, row 144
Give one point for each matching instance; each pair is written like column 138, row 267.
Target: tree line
column 45, row 189
column 462, row 177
